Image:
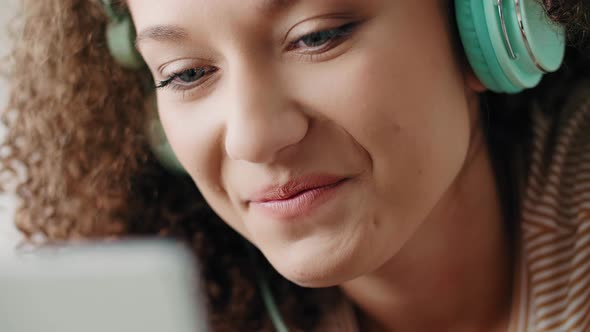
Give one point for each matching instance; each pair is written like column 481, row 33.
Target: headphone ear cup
column 510, row 44
column 157, row 139
column 120, row 36
column 473, row 30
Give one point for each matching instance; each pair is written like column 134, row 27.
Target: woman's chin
column 315, row 270
column 312, row 278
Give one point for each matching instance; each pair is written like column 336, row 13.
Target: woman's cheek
column 195, row 133
column 190, row 130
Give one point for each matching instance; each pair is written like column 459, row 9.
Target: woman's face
column 324, row 131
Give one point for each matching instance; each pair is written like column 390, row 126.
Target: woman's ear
column 471, row 80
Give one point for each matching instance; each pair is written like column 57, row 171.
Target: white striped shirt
column 554, row 287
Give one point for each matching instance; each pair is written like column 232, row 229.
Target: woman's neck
column 455, row 274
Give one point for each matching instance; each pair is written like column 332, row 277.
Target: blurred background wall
column 9, row 237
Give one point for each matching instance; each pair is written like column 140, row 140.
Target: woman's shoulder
column 555, row 225
column 558, row 187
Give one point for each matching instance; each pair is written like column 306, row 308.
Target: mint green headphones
column 120, row 36
column 510, row 44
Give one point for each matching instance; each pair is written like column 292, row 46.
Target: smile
column 297, row 199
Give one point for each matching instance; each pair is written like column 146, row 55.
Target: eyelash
column 169, row 82
column 336, row 35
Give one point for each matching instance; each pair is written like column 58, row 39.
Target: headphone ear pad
column 157, row 139
column 478, row 46
column 120, row 36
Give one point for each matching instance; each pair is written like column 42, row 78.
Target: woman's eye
column 321, row 38
column 191, row 75
column 318, row 38
column 186, row 79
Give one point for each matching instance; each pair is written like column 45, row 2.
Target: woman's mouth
column 296, row 198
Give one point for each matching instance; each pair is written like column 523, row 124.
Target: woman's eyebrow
column 161, row 33
column 273, row 6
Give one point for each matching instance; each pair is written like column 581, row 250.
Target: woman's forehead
column 255, row 7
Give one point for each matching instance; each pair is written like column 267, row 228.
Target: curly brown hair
column 78, row 158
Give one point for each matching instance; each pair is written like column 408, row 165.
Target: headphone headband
column 525, row 39
column 504, row 29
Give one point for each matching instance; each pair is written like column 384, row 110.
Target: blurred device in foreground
column 147, row 286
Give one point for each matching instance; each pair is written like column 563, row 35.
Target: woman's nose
column 262, row 120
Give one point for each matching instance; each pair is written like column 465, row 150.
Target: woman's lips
column 296, row 198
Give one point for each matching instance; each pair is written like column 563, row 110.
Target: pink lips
column 297, row 197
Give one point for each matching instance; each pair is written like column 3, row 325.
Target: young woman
column 393, row 170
